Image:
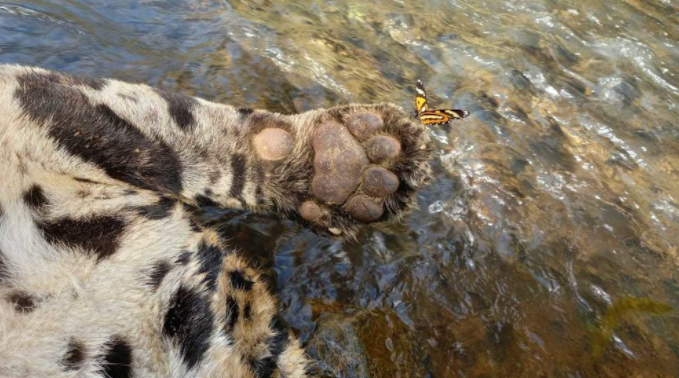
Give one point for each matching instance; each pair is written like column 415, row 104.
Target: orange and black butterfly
column 434, row 116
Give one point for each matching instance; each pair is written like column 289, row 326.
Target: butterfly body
column 434, row 116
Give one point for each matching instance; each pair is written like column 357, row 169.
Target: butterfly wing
column 455, row 113
column 421, row 99
column 434, row 116
column 442, row 116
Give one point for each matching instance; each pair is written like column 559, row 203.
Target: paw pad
column 364, row 209
column 273, row 144
column 381, row 148
column 364, row 125
column 340, row 163
column 367, row 167
column 379, row 182
column 310, row 211
column 337, row 164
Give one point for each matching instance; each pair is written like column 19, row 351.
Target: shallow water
column 555, row 204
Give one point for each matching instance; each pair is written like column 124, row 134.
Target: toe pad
column 379, row 182
column 310, row 211
column 363, row 125
column 381, row 148
column 364, row 209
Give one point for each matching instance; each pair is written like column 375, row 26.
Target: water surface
column 548, row 245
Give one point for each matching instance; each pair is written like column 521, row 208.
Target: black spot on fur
column 244, row 112
column 188, row 322
column 35, row 197
column 247, row 312
column 83, row 193
column 98, row 236
column 22, row 301
column 53, row 77
column 193, row 223
column 210, row 258
column 184, row 258
column 259, row 195
column 158, row 272
column 96, row 84
column 62, row 79
column 98, row 135
column 238, row 167
column 312, row 371
column 87, row 181
column 117, row 362
column 75, row 355
column 280, row 340
column 257, row 122
column 265, row 367
column 214, row 176
column 238, row 280
column 260, row 178
column 159, row 210
column 232, row 310
column 180, row 107
column 204, row 201
column 128, row 97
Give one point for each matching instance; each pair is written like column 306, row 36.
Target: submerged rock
column 336, row 348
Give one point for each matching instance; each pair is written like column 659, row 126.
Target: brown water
column 548, row 245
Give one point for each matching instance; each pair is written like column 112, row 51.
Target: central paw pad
column 338, row 163
column 368, row 163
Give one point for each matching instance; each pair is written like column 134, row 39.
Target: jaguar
column 106, row 269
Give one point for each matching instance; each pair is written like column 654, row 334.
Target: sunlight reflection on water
column 552, row 202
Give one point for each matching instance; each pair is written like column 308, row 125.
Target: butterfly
column 434, row 116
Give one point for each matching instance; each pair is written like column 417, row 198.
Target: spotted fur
column 104, row 271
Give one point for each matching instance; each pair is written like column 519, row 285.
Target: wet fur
column 103, row 270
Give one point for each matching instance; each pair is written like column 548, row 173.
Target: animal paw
column 368, row 163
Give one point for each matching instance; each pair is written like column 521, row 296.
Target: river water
column 548, row 244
